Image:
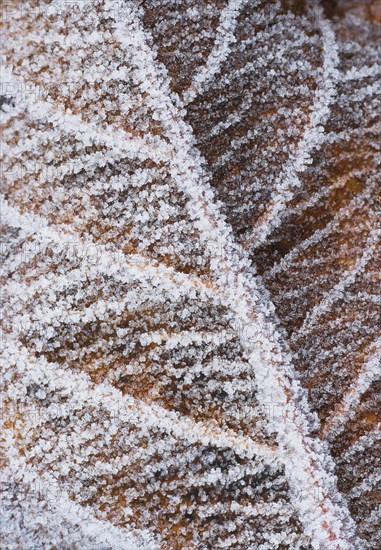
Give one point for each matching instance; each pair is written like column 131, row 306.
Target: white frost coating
column 364, row 297
column 318, row 235
column 371, row 482
column 306, row 463
column 61, row 507
column 96, row 258
column 364, row 72
column 82, row 390
column 363, row 443
column 332, row 137
column 231, row 119
column 116, row 140
column 312, row 138
column 185, row 338
column 220, row 51
column 333, row 295
column 314, row 199
column 236, row 287
column 369, row 372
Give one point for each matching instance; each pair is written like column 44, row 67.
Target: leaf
column 191, row 268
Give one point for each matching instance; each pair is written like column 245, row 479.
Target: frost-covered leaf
column 191, row 266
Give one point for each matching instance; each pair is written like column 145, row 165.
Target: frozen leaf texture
column 191, row 227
